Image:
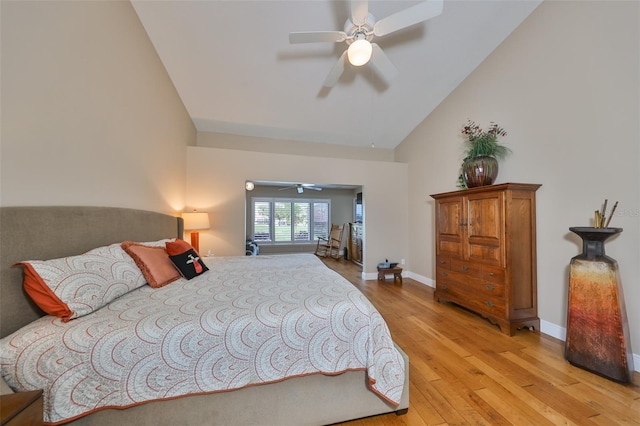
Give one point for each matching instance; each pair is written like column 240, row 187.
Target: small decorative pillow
column 186, row 259
column 74, row 286
column 154, row 263
column 189, row 264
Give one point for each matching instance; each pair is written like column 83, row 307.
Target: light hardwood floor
column 464, row 371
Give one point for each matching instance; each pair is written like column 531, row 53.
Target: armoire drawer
column 493, row 273
column 469, row 297
column 472, row 285
column 491, row 306
column 465, row 267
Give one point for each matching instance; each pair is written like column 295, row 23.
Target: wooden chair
column 331, row 246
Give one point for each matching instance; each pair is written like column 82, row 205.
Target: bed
column 307, row 398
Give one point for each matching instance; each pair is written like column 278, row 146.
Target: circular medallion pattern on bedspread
column 248, row 320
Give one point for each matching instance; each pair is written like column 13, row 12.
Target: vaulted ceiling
column 233, row 66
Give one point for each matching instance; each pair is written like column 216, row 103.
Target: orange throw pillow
column 178, row 247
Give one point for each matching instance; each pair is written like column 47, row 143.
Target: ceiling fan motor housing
column 352, row 30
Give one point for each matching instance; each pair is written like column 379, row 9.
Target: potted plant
column 480, row 164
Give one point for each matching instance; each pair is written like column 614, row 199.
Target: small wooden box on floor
column 486, row 253
column 396, row 272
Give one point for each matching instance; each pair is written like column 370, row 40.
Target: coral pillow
column 154, row 263
column 74, row 286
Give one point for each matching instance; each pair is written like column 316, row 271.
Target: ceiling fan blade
column 382, row 64
column 359, row 11
column 407, row 17
column 317, row 36
column 336, row 71
column 315, row 188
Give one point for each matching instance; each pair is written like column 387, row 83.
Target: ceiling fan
column 300, row 187
column 360, row 28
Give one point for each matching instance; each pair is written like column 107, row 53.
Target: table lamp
column 195, row 221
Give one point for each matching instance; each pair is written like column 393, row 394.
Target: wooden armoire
column 486, row 253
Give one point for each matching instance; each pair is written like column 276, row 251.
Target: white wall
column 216, row 179
column 566, row 86
column 89, row 114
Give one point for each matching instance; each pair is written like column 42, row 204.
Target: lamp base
column 195, row 241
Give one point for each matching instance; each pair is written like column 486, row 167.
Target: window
column 283, row 220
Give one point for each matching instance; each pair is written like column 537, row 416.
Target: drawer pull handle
column 490, row 287
column 465, row 267
column 491, row 274
column 442, row 262
column 444, row 273
column 489, row 303
column 444, row 287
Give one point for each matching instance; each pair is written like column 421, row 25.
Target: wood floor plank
column 628, row 395
column 433, row 334
column 425, row 408
column 544, row 388
column 440, row 403
column 621, row 413
column 508, row 406
column 544, row 371
column 464, row 371
column 471, row 409
column 525, row 397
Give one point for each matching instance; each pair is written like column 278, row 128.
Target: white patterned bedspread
column 249, row 320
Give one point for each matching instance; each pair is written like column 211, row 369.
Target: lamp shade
column 359, row 52
column 196, row 220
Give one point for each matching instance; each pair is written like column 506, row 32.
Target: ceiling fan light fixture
column 359, row 52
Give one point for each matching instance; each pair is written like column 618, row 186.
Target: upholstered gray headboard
column 40, row 233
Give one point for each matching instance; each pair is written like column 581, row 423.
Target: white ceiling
column 233, row 66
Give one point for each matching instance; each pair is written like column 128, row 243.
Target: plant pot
column 479, row 171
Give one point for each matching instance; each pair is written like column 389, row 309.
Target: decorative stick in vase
column 611, row 215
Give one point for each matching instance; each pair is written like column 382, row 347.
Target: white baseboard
column 422, row 280
column 553, row 330
column 405, row 274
